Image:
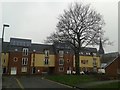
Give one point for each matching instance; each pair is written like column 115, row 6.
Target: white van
column 101, row 71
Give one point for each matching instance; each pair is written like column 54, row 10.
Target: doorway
column 13, row 71
column 33, row 70
column 4, row 70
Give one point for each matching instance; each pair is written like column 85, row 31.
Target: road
column 24, row 82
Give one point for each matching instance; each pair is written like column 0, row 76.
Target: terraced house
column 21, row 56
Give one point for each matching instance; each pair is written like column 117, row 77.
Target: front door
column 33, row 70
column 4, row 70
column 13, row 71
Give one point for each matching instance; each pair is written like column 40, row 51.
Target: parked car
column 74, row 72
column 82, row 73
column 101, row 71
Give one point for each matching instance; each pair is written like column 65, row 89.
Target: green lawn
column 72, row 79
column 85, row 81
column 108, row 85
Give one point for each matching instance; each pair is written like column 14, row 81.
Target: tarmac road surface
column 24, row 82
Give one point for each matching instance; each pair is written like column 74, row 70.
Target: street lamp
column 1, row 45
column 4, row 25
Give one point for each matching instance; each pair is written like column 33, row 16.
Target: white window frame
column 61, row 70
column 94, row 54
column 46, row 53
column 46, row 61
column 61, row 60
column 61, row 53
column 25, row 51
column 24, row 69
column 24, row 61
column 84, row 62
column 94, row 62
column 4, row 61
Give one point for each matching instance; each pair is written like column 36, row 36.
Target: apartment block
column 21, row 56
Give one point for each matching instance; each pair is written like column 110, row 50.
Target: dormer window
column 61, row 53
column 46, row 53
column 81, row 53
column 87, row 53
column 34, row 50
column 94, row 54
column 16, row 49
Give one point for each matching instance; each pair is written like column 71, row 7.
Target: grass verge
column 72, row 79
column 108, row 85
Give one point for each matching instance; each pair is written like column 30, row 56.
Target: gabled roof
column 111, row 62
column 108, row 57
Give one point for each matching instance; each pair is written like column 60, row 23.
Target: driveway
column 24, row 82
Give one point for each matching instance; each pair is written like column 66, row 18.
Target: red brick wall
column 18, row 63
column 112, row 69
column 67, row 63
column 42, row 70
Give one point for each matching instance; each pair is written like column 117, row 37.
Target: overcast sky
column 36, row 20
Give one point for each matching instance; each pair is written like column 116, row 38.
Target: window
column 84, row 61
column 68, row 60
column 87, row 53
column 46, row 53
column 94, row 62
column 94, row 54
column 34, row 50
column 4, row 61
column 61, row 53
column 68, row 68
column 25, row 51
column 46, row 61
column 24, row 69
column 61, row 69
column 67, row 52
column 61, row 61
column 24, row 61
column 15, row 59
column 16, row 49
column 81, row 53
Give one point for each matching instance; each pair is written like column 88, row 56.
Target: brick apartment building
column 21, row 56
column 113, row 68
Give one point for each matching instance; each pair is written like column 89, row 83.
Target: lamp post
column 4, row 25
column 1, row 50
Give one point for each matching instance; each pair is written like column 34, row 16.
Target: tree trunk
column 77, row 66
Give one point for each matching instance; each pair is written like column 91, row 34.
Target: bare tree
column 79, row 26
